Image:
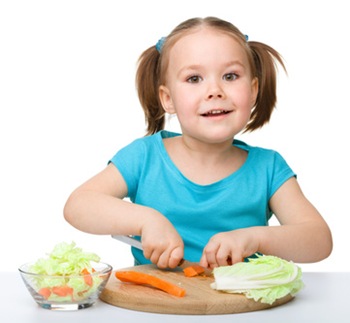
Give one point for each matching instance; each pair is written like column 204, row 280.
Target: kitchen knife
column 132, row 241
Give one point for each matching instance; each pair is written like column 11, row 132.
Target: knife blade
column 132, row 241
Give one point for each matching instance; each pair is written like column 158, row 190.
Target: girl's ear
column 255, row 90
column 165, row 99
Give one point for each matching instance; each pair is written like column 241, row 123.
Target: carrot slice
column 193, row 270
column 45, row 292
column 146, row 279
column 87, row 277
column 62, row 290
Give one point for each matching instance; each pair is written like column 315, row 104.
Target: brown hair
column 152, row 66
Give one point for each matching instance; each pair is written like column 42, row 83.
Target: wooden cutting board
column 200, row 298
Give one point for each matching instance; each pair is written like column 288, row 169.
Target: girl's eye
column 194, row 79
column 230, row 77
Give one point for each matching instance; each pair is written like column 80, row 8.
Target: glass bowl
column 66, row 292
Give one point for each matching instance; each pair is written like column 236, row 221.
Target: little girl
column 203, row 195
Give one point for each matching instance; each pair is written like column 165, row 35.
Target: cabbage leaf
column 263, row 278
column 63, row 267
column 65, row 259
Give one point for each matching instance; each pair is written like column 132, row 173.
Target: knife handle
column 132, row 241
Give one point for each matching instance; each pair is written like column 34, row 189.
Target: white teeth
column 216, row 111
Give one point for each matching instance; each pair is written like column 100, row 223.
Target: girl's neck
column 206, row 152
column 204, row 163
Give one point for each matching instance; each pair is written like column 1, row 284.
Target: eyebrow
column 197, row 66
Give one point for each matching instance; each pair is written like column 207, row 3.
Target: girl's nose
column 215, row 95
column 215, row 91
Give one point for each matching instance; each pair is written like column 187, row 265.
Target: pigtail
column 147, row 84
column 265, row 58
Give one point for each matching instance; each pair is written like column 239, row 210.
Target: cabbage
column 63, row 268
column 264, row 278
column 65, row 259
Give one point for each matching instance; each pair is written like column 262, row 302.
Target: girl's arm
column 303, row 235
column 98, row 207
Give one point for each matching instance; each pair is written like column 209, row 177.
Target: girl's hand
column 228, row 248
column 161, row 243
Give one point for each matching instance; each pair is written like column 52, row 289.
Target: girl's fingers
column 236, row 257
column 163, row 260
column 210, row 255
column 215, row 255
column 222, row 257
column 166, row 258
column 175, row 257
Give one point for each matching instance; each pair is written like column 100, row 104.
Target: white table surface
column 325, row 298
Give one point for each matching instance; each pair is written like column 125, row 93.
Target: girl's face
column 209, row 86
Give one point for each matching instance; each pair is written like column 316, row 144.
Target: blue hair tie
column 246, row 37
column 160, row 44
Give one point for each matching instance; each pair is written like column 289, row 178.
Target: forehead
column 206, row 44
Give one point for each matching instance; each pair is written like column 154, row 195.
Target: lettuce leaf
column 264, row 278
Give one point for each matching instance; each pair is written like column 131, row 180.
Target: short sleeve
column 280, row 173
column 129, row 161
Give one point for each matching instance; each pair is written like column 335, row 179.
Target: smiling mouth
column 214, row 113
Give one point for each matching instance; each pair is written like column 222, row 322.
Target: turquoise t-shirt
column 200, row 211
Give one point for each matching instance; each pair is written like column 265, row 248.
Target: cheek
column 244, row 105
column 185, row 104
column 246, row 101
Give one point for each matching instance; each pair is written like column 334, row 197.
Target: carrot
column 87, row 277
column 62, row 290
column 146, row 279
column 45, row 292
column 193, row 270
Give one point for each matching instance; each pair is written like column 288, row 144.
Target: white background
column 68, row 103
